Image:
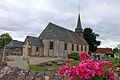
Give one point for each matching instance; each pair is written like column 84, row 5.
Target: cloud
column 109, row 43
column 30, row 17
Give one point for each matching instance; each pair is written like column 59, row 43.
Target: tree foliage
column 117, row 53
column 90, row 37
column 115, row 50
column 5, row 38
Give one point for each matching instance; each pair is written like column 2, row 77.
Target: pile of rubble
column 13, row 73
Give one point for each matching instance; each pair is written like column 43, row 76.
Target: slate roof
column 53, row 31
column 34, row 41
column 15, row 44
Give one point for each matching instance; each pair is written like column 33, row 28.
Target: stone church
column 56, row 41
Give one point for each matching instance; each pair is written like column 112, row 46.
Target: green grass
column 42, row 69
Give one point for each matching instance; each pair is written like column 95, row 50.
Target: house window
column 77, row 47
column 37, row 48
column 51, row 45
column 65, row 46
column 81, row 48
column 72, row 47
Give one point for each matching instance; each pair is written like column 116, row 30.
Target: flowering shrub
column 89, row 70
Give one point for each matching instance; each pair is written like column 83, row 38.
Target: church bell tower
column 79, row 29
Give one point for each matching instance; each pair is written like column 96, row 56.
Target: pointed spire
column 79, row 21
column 79, row 29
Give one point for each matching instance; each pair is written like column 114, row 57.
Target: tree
column 115, row 50
column 118, row 46
column 5, row 38
column 117, row 56
column 90, row 37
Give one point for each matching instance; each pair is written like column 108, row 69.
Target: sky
column 20, row 18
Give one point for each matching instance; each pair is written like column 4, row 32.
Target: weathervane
column 78, row 6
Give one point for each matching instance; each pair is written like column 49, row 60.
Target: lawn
column 44, row 69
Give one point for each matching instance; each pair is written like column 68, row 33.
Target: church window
column 51, row 45
column 72, row 47
column 77, row 47
column 65, row 46
column 81, row 48
column 37, row 48
column 85, row 48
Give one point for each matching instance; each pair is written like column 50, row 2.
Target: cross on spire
column 79, row 29
column 78, row 8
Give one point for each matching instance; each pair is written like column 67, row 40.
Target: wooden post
column 3, row 59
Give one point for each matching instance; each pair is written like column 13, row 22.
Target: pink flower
column 117, row 69
column 110, row 75
column 71, row 77
column 63, row 70
column 87, row 56
column 81, row 55
column 87, row 69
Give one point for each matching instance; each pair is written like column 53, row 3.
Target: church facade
column 56, row 41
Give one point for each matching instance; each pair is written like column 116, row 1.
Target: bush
column 73, row 55
column 111, row 54
column 73, row 63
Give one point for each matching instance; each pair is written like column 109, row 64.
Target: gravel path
column 33, row 60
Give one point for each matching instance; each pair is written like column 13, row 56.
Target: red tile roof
column 104, row 50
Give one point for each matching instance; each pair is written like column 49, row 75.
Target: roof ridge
column 32, row 36
column 61, row 27
column 16, row 40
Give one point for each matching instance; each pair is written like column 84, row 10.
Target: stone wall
column 58, row 48
column 33, row 50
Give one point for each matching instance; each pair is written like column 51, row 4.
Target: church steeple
column 79, row 29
